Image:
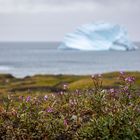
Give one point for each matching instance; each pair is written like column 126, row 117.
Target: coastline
column 54, row 83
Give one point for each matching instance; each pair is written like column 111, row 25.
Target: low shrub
column 81, row 115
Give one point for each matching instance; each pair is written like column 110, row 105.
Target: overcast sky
column 50, row 20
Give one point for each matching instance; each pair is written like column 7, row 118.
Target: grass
column 54, row 83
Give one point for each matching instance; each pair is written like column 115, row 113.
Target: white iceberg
column 98, row 37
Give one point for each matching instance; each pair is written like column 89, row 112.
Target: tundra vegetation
column 66, row 107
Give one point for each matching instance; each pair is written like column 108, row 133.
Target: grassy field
column 54, row 83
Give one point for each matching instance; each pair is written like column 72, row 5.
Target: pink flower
column 53, row 95
column 96, row 76
column 111, row 90
column 61, row 93
column 65, row 86
column 50, row 110
column 122, row 72
column 28, row 99
column 125, row 88
column 130, row 79
column 45, row 97
column 21, row 97
column 129, row 96
column 65, row 122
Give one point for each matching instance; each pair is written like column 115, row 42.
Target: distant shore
column 54, row 83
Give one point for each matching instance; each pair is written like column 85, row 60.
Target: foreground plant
column 91, row 114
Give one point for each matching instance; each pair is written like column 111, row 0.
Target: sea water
column 29, row 58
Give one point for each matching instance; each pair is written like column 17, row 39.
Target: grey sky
column 49, row 20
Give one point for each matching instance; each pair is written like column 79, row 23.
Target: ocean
column 29, row 58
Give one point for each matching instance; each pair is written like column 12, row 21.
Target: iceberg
column 98, row 37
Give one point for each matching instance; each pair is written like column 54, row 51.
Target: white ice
column 98, row 37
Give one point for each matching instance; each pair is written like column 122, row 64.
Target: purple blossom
column 21, row 97
column 65, row 122
column 45, row 97
column 129, row 79
column 122, row 72
column 112, row 90
column 65, row 86
column 61, row 93
column 28, row 99
column 99, row 75
column 129, row 96
column 50, row 110
column 53, row 95
column 125, row 88
column 96, row 76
